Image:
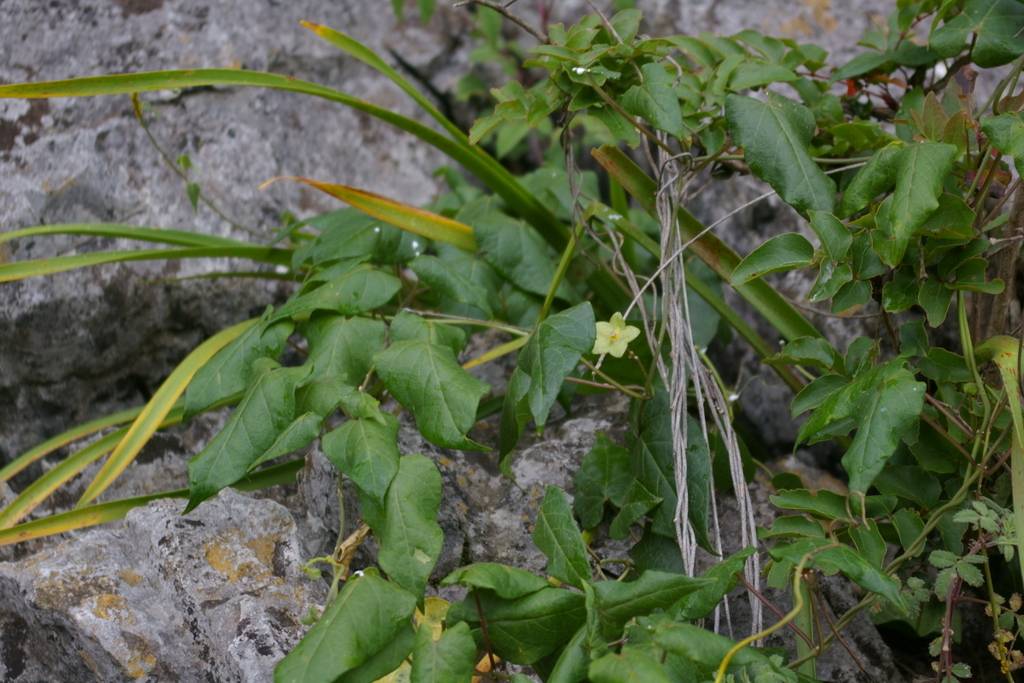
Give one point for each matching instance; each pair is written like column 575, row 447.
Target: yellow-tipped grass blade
column 426, row 224
column 93, row 515
column 43, row 487
column 64, row 438
column 1004, row 352
column 40, row 489
column 20, row 270
column 151, row 417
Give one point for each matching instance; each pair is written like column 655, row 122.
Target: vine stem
column 798, row 606
column 563, row 267
column 503, row 11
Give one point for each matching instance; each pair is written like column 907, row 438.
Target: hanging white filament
column 685, row 358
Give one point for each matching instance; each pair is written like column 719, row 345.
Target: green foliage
column 901, row 177
column 776, row 136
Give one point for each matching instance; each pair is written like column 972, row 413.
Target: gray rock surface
column 214, row 595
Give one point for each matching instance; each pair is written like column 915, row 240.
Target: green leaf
column 944, row 366
column 812, row 395
column 527, row 628
column 299, row 434
column 908, row 526
column 834, row 236
column 869, row 542
column 887, row 410
column 604, row 476
column 934, row 297
column 1006, row 133
column 704, row 647
column 409, row 326
column 996, row 25
column 505, row 581
column 514, row 249
column 619, row 601
column 193, row 191
column 783, row 252
column 636, row 502
column 629, row 666
column 861, row 572
column 831, row 278
column 810, row 351
column 367, row 452
column 653, row 465
column 721, row 579
column 263, row 414
column 655, row 100
column 427, row 380
column 558, row 537
column 406, row 527
column 552, row 352
column 365, row 617
column 775, row 136
column 921, row 170
column 851, row 296
column 571, row 665
column 451, row 659
column 901, row 292
column 355, row 291
column 385, row 660
column 911, row 483
column 349, row 235
column 458, row 293
column 757, row 74
column 342, row 347
column 952, row 220
column 823, row 503
column 876, row 177
column 230, row 371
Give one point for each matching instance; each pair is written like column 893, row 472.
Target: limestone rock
column 217, row 594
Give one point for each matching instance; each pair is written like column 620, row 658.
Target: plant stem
column 560, row 271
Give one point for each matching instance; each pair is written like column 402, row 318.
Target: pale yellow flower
column 614, row 336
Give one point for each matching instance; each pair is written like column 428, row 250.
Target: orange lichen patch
column 63, row 591
column 140, row 664
column 130, row 577
column 107, row 602
column 796, row 26
column 821, row 10
column 263, row 547
column 236, row 564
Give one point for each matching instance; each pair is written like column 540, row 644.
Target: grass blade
column 93, row 515
column 64, row 438
column 151, row 417
column 158, row 235
column 357, row 50
column 40, row 489
column 476, row 161
column 1005, row 353
column 417, row 221
column 21, row 270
